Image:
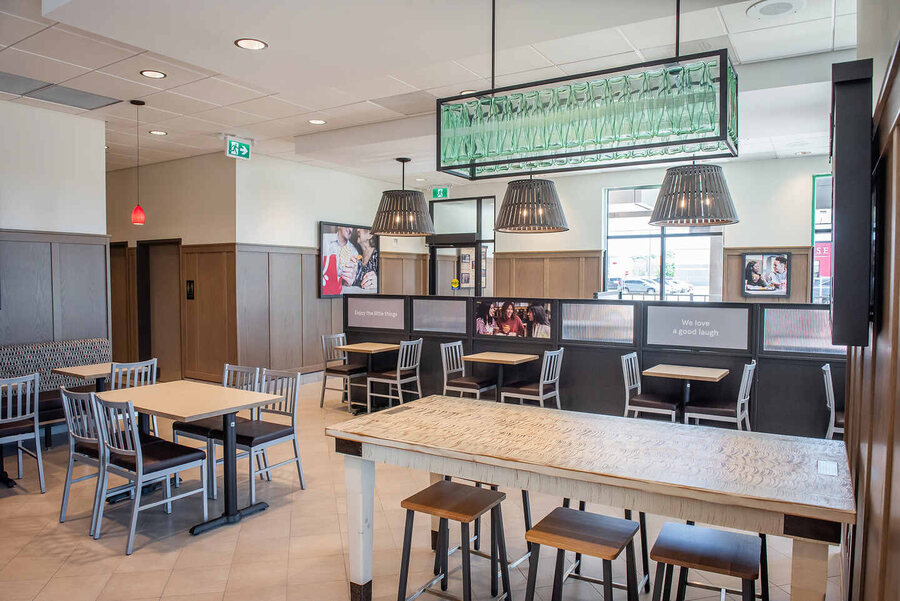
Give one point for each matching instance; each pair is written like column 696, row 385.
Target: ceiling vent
column 42, row 90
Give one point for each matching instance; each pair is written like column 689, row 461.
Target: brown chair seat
column 583, row 532
column 50, row 408
column 653, row 401
column 87, row 448
column 522, row 387
column 717, row 407
column 346, row 369
column 391, row 374
column 23, row 426
column 719, row 551
column 454, row 501
column 158, row 454
column 838, row 419
column 252, row 433
column 473, row 382
column 204, row 427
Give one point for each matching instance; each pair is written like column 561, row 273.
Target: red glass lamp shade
column 137, row 215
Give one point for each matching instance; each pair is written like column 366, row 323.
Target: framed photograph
column 766, row 274
column 517, row 318
column 465, row 258
column 464, row 278
column 348, row 260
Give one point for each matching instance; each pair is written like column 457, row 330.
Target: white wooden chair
column 337, row 365
column 737, row 413
column 407, row 371
column 835, row 418
column 451, row 359
column 19, row 419
column 638, row 402
column 544, row 389
column 129, row 375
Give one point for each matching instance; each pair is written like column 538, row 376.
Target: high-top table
column 188, row 401
column 500, row 359
column 768, row 483
column 686, row 373
column 98, row 372
column 369, row 349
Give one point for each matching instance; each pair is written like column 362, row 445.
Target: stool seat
column 719, row 551
column 587, row 533
column 454, row 501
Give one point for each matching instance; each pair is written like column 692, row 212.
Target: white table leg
column 809, row 570
column 359, row 475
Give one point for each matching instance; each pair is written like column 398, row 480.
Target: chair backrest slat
column 241, row 377
column 409, row 355
column 552, row 366
column 285, row 384
column 632, row 375
column 19, row 398
column 746, row 383
column 829, row 387
column 451, row 359
column 118, row 428
column 129, row 375
column 81, row 416
column 329, row 352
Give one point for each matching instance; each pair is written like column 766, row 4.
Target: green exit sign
column 237, row 148
column 440, row 192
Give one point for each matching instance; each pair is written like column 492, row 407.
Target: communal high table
column 768, row 483
column 98, row 372
column 686, row 373
column 188, row 401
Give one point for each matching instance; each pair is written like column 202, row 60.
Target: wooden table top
column 369, row 348
column 85, row 372
column 785, row 474
column 686, row 372
column 501, row 358
column 188, row 401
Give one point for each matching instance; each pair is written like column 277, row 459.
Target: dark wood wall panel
column 253, row 307
column 559, row 274
column 285, row 311
column 26, row 292
column 81, row 281
column 119, row 301
column 165, row 309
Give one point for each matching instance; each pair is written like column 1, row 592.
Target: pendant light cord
column 494, row 42
column 677, row 28
column 137, row 166
column 403, row 176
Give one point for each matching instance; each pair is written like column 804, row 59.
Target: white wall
column 192, row 199
column 878, row 29
column 281, row 202
column 773, row 200
column 52, row 171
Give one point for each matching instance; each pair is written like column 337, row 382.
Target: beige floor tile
column 21, row 590
column 337, row 590
column 30, row 568
column 315, row 569
column 73, row 588
column 145, row 584
column 197, row 580
column 257, row 576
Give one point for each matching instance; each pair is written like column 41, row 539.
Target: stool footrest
column 713, row 587
column 570, row 573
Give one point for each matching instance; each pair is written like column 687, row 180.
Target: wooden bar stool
column 584, row 533
column 464, row 504
column 695, row 547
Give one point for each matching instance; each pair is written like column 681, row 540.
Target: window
column 821, row 273
column 648, row 262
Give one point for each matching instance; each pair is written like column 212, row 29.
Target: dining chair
column 130, row 375
column 835, row 418
column 545, row 388
column 737, row 413
column 337, row 365
column 233, row 376
column 257, row 435
column 19, row 419
column 407, row 371
column 638, row 402
column 452, row 362
column 143, row 460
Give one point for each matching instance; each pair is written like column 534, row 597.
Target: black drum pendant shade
column 531, row 206
column 403, row 212
column 694, row 195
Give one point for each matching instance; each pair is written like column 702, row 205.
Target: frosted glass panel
column 799, row 331
column 598, row 322
column 439, row 315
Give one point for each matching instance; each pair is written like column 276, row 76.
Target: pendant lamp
column 403, row 212
column 137, row 214
column 694, row 195
column 531, row 206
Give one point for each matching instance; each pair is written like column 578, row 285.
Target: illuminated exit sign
column 440, row 193
column 237, row 148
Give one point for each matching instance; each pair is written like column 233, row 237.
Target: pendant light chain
column 137, row 214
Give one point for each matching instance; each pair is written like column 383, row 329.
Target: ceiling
column 372, row 77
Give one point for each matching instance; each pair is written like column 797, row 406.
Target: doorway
column 159, row 305
column 462, row 247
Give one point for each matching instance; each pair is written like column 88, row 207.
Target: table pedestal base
column 224, row 520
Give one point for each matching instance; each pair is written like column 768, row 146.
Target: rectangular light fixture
column 654, row 112
column 42, row 90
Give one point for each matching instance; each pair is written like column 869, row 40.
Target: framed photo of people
column 512, row 317
column 766, row 274
column 348, row 260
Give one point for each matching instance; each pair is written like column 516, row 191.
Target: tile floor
column 294, row 551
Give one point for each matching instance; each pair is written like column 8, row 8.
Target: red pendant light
column 137, row 214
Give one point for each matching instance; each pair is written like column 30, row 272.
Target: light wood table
column 188, row 401
column 781, row 485
column 500, row 359
column 98, row 372
column 686, row 373
column 369, row 349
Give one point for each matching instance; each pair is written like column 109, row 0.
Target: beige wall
column 52, row 173
column 878, row 28
column 192, row 199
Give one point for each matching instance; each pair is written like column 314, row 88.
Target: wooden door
column 165, row 308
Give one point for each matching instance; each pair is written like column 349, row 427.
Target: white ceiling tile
column 217, row 91
column 13, row 28
column 845, row 7
column 131, row 68
column 128, row 112
column 318, row 98
column 274, row 146
column 695, row 25
column 188, row 125
column 115, row 123
column 441, row 74
column 270, row 107
column 360, row 112
column 35, row 66
column 529, row 76
column 291, row 126
column 510, row 60
column 379, row 87
column 844, row 32
column 177, row 103
column 202, row 142
column 73, row 48
column 778, row 42
column 228, row 116
column 598, row 64
column 690, row 47
column 737, row 20
column 62, row 108
column 109, row 85
column 583, row 46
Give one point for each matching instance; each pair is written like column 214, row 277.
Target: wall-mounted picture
column 465, row 258
column 512, row 318
column 464, row 278
column 348, row 260
column 767, row 274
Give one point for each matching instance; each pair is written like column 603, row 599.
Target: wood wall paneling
column 166, row 290
column 403, row 273
column 562, row 274
column 285, row 310
column 253, row 307
column 800, row 274
column 80, row 300
column 26, row 292
column 317, row 314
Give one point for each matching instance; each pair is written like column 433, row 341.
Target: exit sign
column 237, row 148
column 440, row 192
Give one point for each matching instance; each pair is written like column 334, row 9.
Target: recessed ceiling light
column 318, row 121
column 157, row 132
column 767, row 9
column 250, row 44
column 152, row 74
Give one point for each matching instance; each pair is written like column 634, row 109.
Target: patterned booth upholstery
column 42, row 357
